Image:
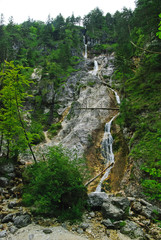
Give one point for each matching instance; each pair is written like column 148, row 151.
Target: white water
column 117, row 96
column 107, row 152
column 85, row 54
column 94, row 72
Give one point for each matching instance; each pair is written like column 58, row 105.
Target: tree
column 59, row 191
column 159, row 28
column 12, row 96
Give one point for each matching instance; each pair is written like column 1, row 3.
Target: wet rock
column 47, row 231
column 132, row 230
column 8, row 218
column 4, row 182
column 22, row 221
column 95, row 200
column 3, row 234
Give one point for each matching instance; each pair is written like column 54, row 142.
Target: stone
column 120, row 202
column 22, row 221
column 108, row 223
column 4, row 181
column 96, row 199
column 92, row 214
column 3, row 234
column 84, row 226
column 137, row 207
column 116, row 208
column 7, row 168
column 132, row 230
column 79, row 230
column 112, row 212
column 12, row 204
column 12, row 229
column 47, row 231
column 31, row 236
column 8, row 218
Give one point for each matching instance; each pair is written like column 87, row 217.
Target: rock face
column 84, row 104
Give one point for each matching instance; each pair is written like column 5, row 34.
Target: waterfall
column 107, row 151
column 94, row 72
column 117, row 96
column 85, row 54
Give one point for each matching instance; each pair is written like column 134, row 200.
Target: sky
column 21, row 10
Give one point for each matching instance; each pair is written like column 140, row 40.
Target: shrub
column 55, row 187
column 54, row 128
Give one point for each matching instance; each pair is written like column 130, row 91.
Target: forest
column 54, row 49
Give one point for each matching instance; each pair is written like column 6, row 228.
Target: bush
column 54, row 128
column 55, row 187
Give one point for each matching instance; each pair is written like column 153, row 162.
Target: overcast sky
column 21, row 10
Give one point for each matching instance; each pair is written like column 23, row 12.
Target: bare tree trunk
column 98, row 175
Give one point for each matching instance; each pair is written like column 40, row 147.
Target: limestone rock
column 8, row 218
column 132, row 230
column 96, row 199
column 108, row 224
column 22, row 221
column 3, row 234
column 115, row 208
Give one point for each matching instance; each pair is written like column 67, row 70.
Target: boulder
column 8, row 218
column 96, row 199
column 4, row 181
column 7, row 168
column 3, row 234
column 132, row 230
column 22, row 221
column 115, row 208
column 108, row 224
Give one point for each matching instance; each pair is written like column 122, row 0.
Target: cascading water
column 85, row 54
column 107, row 152
column 117, row 96
column 85, row 47
column 94, row 72
column 107, row 142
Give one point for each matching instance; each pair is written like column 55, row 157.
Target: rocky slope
column 86, row 102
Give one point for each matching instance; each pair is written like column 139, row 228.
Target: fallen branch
column 101, row 108
column 98, row 174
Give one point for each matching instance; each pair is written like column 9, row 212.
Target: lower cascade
column 107, row 151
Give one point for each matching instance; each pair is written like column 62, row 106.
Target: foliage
column 59, row 191
column 13, row 93
column 54, row 128
column 138, row 73
column 159, row 28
